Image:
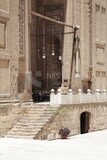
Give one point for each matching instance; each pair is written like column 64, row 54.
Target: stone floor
column 91, row 146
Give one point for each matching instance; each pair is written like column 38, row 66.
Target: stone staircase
column 32, row 122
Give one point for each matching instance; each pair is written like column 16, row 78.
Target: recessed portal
column 47, row 46
column 85, row 122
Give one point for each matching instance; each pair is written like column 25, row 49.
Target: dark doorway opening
column 85, row 122
column 47, row 40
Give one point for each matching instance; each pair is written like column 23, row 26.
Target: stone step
column 32, row 132
column 25, row 121
column 35, row 109
column 30, row 124
column 41, row 108
column 37, row 125
column 38, row 105
column 21, row 133
column 39, row 112
column 34, row 112
column 28, row 127
column 12, row 134
column 26, row 130
column 36, row 116
column 28, row 120
column 33, row 121
column 21, row 137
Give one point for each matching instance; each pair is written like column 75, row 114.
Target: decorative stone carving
column 21, row 27
column 13, row 82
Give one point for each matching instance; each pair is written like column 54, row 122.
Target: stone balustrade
column 80, row 97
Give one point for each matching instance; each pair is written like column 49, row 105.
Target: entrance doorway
column 85, row 122
column 47, row 38
column 47, row 48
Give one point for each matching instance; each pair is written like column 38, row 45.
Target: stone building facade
column 37, row 54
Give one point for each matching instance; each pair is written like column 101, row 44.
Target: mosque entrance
column 48, row 48
column 85, row 122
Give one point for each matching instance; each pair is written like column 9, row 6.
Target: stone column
column 77, row 74
column 67, row 47
column 28, row 73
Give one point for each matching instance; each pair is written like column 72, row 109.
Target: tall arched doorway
column 85, row 122
column 47, row 46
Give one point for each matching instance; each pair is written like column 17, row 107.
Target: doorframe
column 85, row 118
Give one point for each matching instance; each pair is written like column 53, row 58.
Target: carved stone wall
column 69, row 116
column 99, row 40
column 9, row 115
column 9, row 49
